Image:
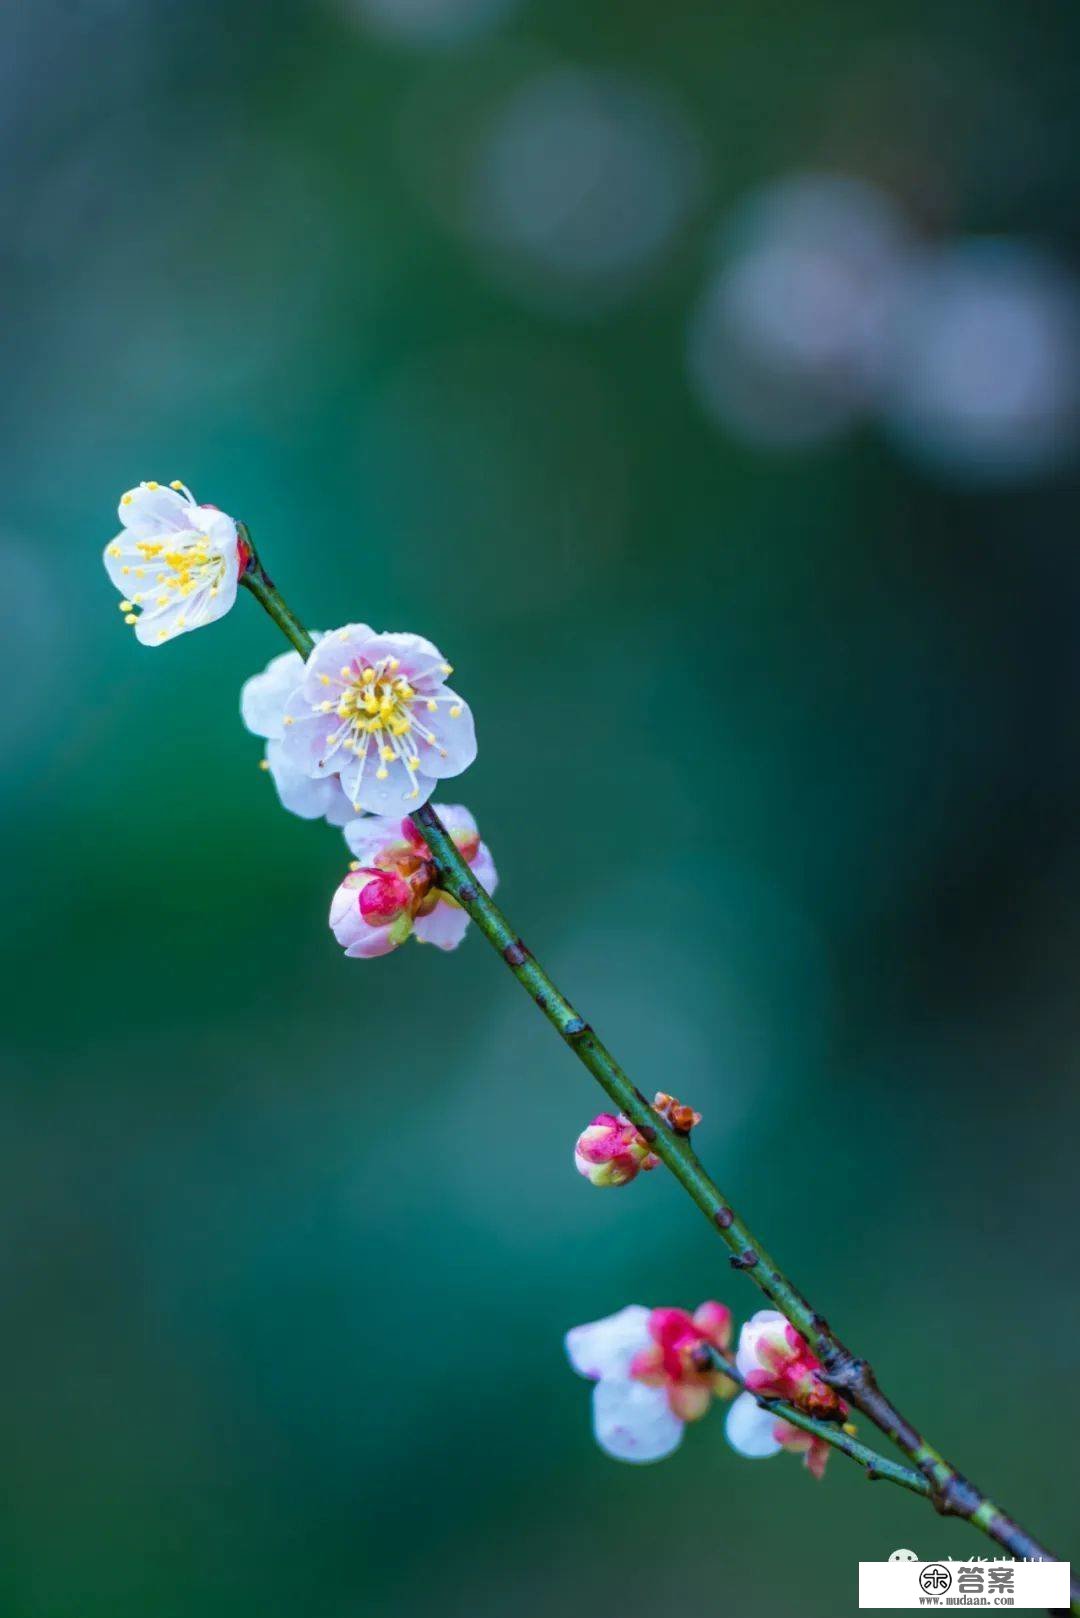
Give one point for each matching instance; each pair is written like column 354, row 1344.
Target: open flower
column 262, row 707
column 755, row 1432
column 654, row 1371
column 612, row 1151
column 773, row 1359
column 376, row 711
column 175, row 563
column 394, row 890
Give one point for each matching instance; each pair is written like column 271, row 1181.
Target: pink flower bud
column 611, row 1151
column 776, row 1361
column 384, row 898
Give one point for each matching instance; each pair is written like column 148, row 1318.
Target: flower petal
column 454, row 745
column 304, row 795
column 147, row 511
column 445, row 926
column 263, row 696
column 605, row 1348
column 750, row 1430
column 633, row 1422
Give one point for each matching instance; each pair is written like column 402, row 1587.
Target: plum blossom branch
column 951, row 1493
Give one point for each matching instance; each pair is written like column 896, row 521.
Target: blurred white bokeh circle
column 785, row 344
column 982, row 374
column 580, row 182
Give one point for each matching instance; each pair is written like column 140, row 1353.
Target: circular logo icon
column 903, row 1556
column 935, row 1579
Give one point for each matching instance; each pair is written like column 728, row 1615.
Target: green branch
column 951, row 1493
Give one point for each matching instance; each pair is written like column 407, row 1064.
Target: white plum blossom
column 393, row 891
column 262, row 707
column 175, row 563
column 650, row 1376
column 375, row 710
column 757, row 1433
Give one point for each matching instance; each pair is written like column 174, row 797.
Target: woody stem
column 951, row 1493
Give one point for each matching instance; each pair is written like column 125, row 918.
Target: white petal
column 454, row 738
column 148, row 512
column 483, row 868
column 445, row 926
column 749, row 1429
column 766, row 1322
column 263, row 697
column 633, row 1422
column 605, row 1348
column 455, row 817
column 303, row 795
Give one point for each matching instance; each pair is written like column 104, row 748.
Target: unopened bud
column 611, row 1151
column 384, row 898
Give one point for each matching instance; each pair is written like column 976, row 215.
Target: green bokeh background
column 778, row 761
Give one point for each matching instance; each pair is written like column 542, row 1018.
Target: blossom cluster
column 358, row 733
column 655, row 1370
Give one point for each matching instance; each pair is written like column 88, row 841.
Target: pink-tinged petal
column 374, row 838
column 457, row 820
column 264, row 696
column 605, row 1348
column 483, row 869
column 337, row 649
column 419, row 661
column 453, row 747
column 749, row 1429
column 305, row 745
column 445, row 926
column 633, row 1422
column 148, row 512
column 713, row 1320
column 352, row 931
column 689, row 1400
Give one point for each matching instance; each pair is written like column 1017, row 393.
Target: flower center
column 186, row 568
column 376, row 705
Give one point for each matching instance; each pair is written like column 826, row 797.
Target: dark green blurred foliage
column 778, row 761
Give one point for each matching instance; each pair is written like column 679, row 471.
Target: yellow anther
column 432, row 705
column 163, row 634
column 114, row 550
column 181, row 623
column 381, row 773
column 264, row 763
column 455, row 711
column 125, row 606
column 412, row 763
column 288, row 720
column 394, row 663
column 388, row 753
column 125, row 500
column 163, row 601
column 415, row 793
column 131, row 618
column 125, row 569
column 140, row 572
column 448, row 668
column 152, row 485
column 354, row 865
column 325, row 678
column 325, row 707
column 356, row 806
column 400, row 727
column 345, row 671
column 367, row 675
column 176, row 484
